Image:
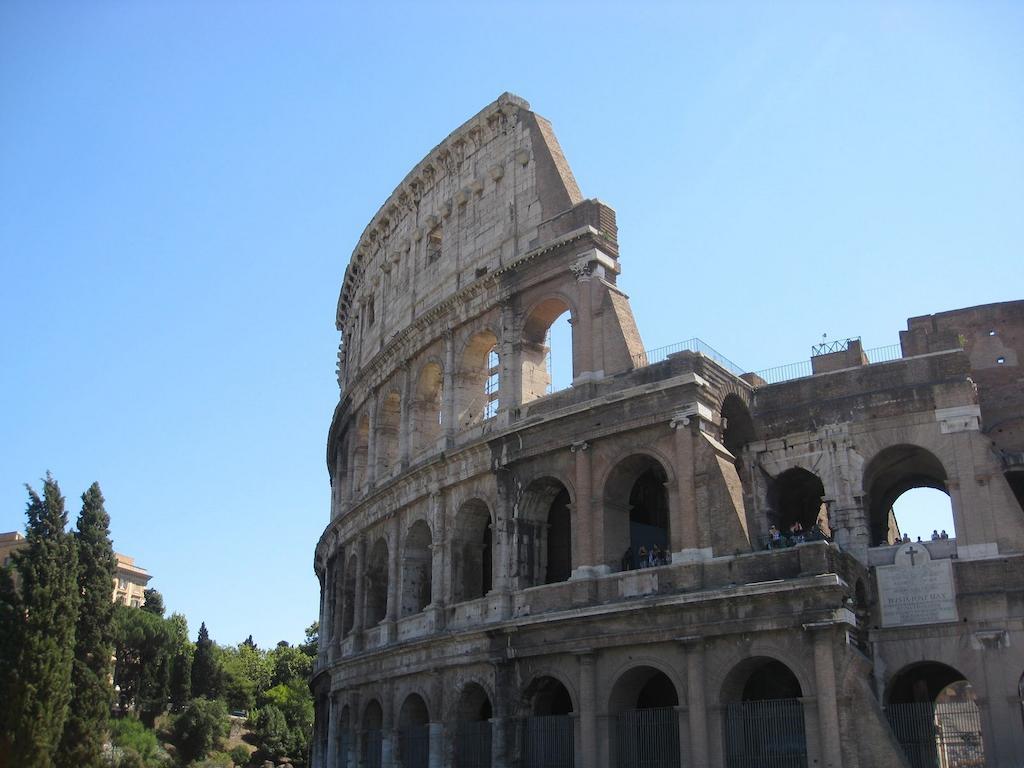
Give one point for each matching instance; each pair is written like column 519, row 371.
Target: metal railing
column 803, row 368
column 652, row 356
column 647, row 738
column 944, row 735
column 414, row 746
column 373, row 748
column 473, row 744
column 765, row 734
column 547, row 741
column 344, row 749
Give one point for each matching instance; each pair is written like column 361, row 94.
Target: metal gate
column 765, row 734
column 373, row 742
column 344, row 744
column 473, row 744
column 414, row 747
column 548, row 741
column 647, row 738
column 946, row 735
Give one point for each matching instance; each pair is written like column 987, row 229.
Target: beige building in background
column 129, row 583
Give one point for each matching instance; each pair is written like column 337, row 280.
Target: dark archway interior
column 377, row 584
column 474, row 704
column 771, row 680
column 643, row 688
column 922, row 683
column 413, row 713
column 648, row 511
column 349, row 596
column 739, row 426
column 373, row 717
column 486, row 559
column 417, row 569
column 892, row 473
column 796, row 496
column 549, row 697
column 657, row 692
column 1016, row 481
column 474, row 559
column 559, row 531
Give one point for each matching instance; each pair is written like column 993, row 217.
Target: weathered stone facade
column 479, row 605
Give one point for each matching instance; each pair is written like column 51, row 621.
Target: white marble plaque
column 917, row 589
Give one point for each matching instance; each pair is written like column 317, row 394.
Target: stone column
column 391, row 612
column 330, row 760
column 588, row 540
column 371, row 447
column 588, row 709
column 389, row 734
column 359, row 597
column 501, row 559
column 694, row 648
column 825, row 683
column 436, row 757
column 449, row 386
column 405, row 427
column 686, row 543
column 510, row 367
column 438, row 545
column 583, row 333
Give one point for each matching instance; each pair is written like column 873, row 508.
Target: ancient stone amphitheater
column 670, row 562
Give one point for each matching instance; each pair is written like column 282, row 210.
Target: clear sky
column 181, row 184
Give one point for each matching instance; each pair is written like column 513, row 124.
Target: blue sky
column 181, row 185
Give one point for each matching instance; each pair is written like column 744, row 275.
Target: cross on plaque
column 911, row 551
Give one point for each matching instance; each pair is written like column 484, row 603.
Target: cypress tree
column 92, row 694
column 10, row 626
column 48, row 569
column 205, row 672
column 153, row 602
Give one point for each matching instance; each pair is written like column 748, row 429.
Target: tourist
column 943, row 535
column 643, row 556
column 774, row 537
column 906, row 538
column 935, row 535
column 655, row 554
column 627, row 559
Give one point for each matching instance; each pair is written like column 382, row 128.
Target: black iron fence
column 414, row 746
column 647, row 738
column 373, row 743
column 945, row 735
column 765, row 734
column 547, row 741
column 344, row 745
column 473, row 744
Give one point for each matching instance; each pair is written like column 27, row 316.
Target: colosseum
column 669, row 561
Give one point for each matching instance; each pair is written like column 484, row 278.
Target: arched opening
column 933, row 713
column 413, row 733
column 764, row 723
column 473, row 540
column 345, row 757
column 360, row 454
column 646, row 726
column 473, row 728
column 427, row 411
column 737, row 425
column 478, row 380
column 889, row 475
column 349, row 596
column 797, row 509
column 417, row 569
column 321, row 718
column 922, row 514
column 1016, row 480
column 545, row 533
column 545, row 350
column 373, row 735
column 389, row 418
column 377, row 584
column 636, row 515
column 547, row 729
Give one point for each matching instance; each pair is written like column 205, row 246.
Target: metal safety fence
column 548, row 741
column 944, row 735
column 473, row 744
column 373, row 747
column 765, row 734
column 344, row 745
column 414, row 746
column 647, row 738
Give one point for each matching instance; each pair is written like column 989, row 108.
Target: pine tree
column 48, row 570
column 92, row 694
column 10, row 626
column 181, row 663
column 153, row 602
column 206, row 678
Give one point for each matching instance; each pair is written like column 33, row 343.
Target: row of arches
column 443, row 402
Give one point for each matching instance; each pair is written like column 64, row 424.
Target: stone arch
column 473, row 711
column 476, row 390
column 722, row 669
column 414, row 733
column 797, row 497
column 536, row 350
column 737, row 425
column 361, row 453
column 921, row 681
column 348, row 619
column 889, row 474
column 472, row 550
column 389, row 427
column 760, row 678
column 376, row 583
column 346, row 742
column 643, row 702
column 417, row 568
column 547, row 695
column 541, row 681
column 427, row 411
column 636, row 509
column 544, row 523
column 372, row 727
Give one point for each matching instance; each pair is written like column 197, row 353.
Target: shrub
column 134, row 738
column 239, row 755
column 200, row 727
column 214, row 760
column 270, row 730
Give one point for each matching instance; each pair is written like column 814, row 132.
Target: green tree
column 92, row 695
column 289, row 663
column 270, row 730
column 198, row 729
column 181, row 663
column 10, row 621
column 48, row 570
column 206, row 674
column 153, row 602
column 144, row 645
column 312, row 639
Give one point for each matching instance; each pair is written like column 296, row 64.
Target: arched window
column 646, row 726
column 473, row 728
column 349, row 598
column 796, row 500
column 764, row 721
column 737, row 427
column 389, row 419
column 546, row 350
column 636, row 514
column 377, row 583
column 545, row 533
column 360, row 454
column 548, row 737
column 416, row 569
column 373, row 734
column 473, row 545
column 478, row 380
column 414, row 733
column 888, row 477
column 427, row 411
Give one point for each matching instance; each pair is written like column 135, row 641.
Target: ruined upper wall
column 471, row 205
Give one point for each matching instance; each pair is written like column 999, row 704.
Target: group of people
column 795, row 535
column 645, row 558
column 936, row 536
